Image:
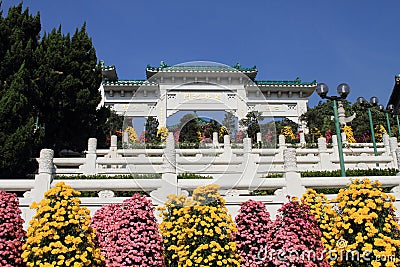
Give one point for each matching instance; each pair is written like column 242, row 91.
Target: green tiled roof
column 112, row 67
column 295, row 82
column 128, row 82
column 236, row 67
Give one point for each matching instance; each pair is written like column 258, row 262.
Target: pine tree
column 69, row 78
column 151, row 128
column 12, row 234
column 18, row 40
column 60, row 231
column 251, row 123
column 189, row 129
column 230, row 123
column 17, row 137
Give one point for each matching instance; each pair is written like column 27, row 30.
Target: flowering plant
column 295, row 238
column 366, row 223
column 288, row 133
column 379, row 131
column 132, row 135
column 162, row 133
column 222, row 132
column 198, row 231
column 11, row 231
column 349, row 134
column 239, row 136
column 59, row 234
column 128, row 233
column 253, row 223
column 323, row 212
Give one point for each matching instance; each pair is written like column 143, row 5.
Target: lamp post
column 388, row 110
column 372, row 103
column 343, row 91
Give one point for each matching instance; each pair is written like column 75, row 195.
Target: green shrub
column 193, row 176
column 103, row 176
column 351, row 173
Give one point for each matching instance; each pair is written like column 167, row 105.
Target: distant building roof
column 250, row 72
column 110, row 77
column 395, row 96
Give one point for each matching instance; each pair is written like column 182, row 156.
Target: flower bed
column 198, row 231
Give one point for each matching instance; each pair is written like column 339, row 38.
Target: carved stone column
column 46, row 161
column 322, row 144
column 290, row 160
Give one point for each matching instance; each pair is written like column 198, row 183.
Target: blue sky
column 329, row 41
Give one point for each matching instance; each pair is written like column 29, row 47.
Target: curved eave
column 135, row 83
column 109, row 73
column 395, row 95
column 306, row 88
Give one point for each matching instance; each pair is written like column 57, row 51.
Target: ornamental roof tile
column 250, row 72
column 236, row 67
column 287, row 83
column 128, row 82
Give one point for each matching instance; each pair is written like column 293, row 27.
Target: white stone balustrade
column 238, row 171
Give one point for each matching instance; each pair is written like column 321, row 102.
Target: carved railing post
column 45, row 176
column 393, row 147
column 282, row 144
column 246, row 145
column 290, row 160
column 215, row 139
column 325, row 162
column 386, row 143
column 259, row 137
column 398, row 158
column 169, row 183
column 293, row 179
column 302, row 139
column 335, row 146
column 90, row 165
column 46, row 165
column 113, row 147
column 322, row 144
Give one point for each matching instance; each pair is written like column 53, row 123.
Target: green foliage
column 269, row 192
column 207, row 129
column 336, row 173
column 251, row 122
column 189, row 130
column 68, row 77
column 351, row 173
column 193, row 176
column 111, row 126
column 18, row 137
column 130, row 176
column 279, row 125
column 151, row 128
column 116, row 193
column 48, row 91
column 103, row 176
column 320, row 116
column 274, row 175
column 230, row 123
